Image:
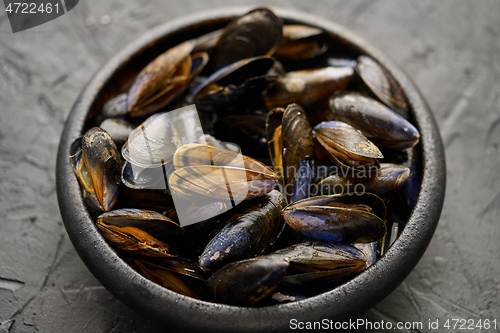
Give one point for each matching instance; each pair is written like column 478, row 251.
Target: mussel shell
column 301, row 42
column 307, row 87
column 139, row 178
column 178, row 265
column 246, row 282
column 274, row 142
column 247, row 131
column 207, row 42
column 322, row 279
column 237, row 88
column 256, row 33
column 203, row 170
column 376, row 121
column 164, row 277
column 164, row 76
column 134, row 241
column 386, row 179
column 116, row 107
column 154, row 142
column 118, row 129
column 79, row 168
column 382, row 85
column 338, row 218
column 369, row 251
column 346, row 146
column 298, row 151
column 313, row 256
column 149, row 221
column 254, row 227
column 103, row 163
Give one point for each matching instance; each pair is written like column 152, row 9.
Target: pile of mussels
column 330, row 161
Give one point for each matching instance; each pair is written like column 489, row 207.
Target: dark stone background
column 450, row 48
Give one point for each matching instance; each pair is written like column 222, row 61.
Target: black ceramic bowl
column 188, row 314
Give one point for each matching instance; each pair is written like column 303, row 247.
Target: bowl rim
column 190, row 314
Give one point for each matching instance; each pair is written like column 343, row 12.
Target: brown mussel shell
column 103, row 164
column 152, row 222
column 307, row 87
column 203, row 170
column 385, row 180
column 301, row 42
column 134, row 241
column 346, row 146
column 382, row 85
column 164, row 76
column 256, row 33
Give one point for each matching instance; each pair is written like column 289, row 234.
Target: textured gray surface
column 451, row 49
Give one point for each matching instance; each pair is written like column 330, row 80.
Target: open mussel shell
column 338, row 218
column 256, row 33
column 135, row 241
column 346, row 146
column 149, row 221
column 388, row 178
column 301, row 42
column 376, row 121
column 253, row 228
column 307, row 87
column 103, row 163
column 160, row 81
column 203, row 170
column 382, row 85
column 246, row 282
column 298, row 152
column 153, row 143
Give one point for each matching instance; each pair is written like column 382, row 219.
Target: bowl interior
column 353, row 297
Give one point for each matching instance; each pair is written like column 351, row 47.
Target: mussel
column 253, row 34
column 309, row 88
column 338, row 218
column 246, row 282
column 376, row 121
column 301, row 42
column 103, row 164
column 165, row 77
column 203, row 170
column 253, row 228
column 379, row 83
column 382, row 181
column 298, row 150
column 346, row 146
